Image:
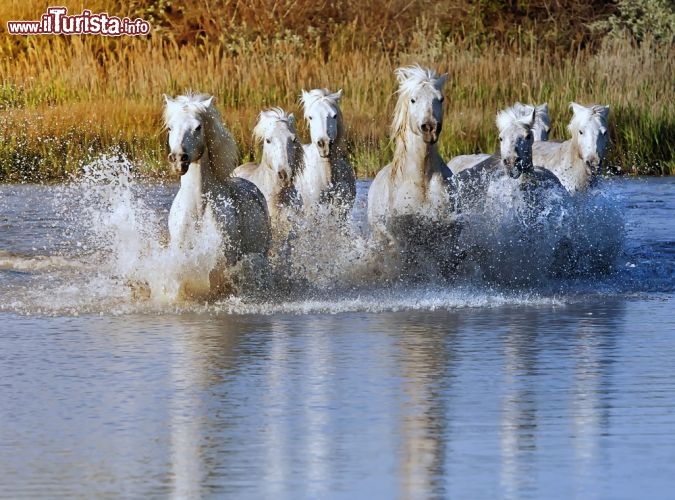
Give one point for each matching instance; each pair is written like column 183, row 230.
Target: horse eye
column 528, row 136
column 334, row 116
column 198, row 127
column 442, row 99
column 268, row 141
column 500, row 138
column 412, row 101
column 310, row 117
column 581, row 132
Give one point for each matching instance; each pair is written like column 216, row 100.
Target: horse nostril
column 321, row 143
column 172, row 157
column 184, row 157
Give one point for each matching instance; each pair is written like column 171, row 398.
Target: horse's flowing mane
column 314, row 96
column 223, row 151
column 518, row 114
column 189, row 103
column 267, row 119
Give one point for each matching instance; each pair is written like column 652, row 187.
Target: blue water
column 363, row 390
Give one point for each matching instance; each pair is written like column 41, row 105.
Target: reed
column 65, row 100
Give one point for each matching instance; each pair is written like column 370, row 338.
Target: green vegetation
column 65, row 100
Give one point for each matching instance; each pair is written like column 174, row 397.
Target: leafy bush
column 642, row 19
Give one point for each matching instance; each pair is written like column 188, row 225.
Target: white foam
column 123, row 263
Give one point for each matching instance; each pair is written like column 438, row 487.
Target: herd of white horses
column 415, row 203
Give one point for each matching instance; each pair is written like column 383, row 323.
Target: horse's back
column 251, row 231
column 462, row 162
column 246, row 171
column 471, row 184
column 549, row 154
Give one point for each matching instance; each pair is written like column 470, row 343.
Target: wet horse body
column 577, row 161
column 326, row 177
column 282, row 159
column 410, row 201
column 204, row 153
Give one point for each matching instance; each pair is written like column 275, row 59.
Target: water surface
column 353, row 389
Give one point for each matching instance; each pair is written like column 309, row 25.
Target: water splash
column 118, row 259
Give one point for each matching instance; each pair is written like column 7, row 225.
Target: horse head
column 420, row 103
column 589, row 131
column 516, row 138
column 322, row 112
column 281, row 151
column 183, row 118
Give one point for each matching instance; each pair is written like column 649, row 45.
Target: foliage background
column 65, row 100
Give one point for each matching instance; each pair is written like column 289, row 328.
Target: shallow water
column 371, row 388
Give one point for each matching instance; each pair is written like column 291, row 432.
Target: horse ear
column 303, row 96
column 543, row 108
column 207, row 102
column 603, row 111
column 291, row 121
column 337, row 95
column 576, row 108
column 526, row 115
column 167, row 99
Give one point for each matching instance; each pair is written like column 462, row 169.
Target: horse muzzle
column 593, row 167
column 180, row 163
column 512, row 167
column 431, row 132
column 324, row 146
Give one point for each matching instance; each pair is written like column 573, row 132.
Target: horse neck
column 192, row 189
column 220, row 158
column 269, row 179
column 323, row 166
column 572, row 159
column 414, row 158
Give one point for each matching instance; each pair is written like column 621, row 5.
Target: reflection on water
column 510, row 402
column 404, row 391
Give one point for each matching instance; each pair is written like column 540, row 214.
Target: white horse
column 205, row 154
column 282, row 158
column 327, row 176
column 410, row 201
column 515, row 213
column 540, row 130
column 516, row 139
column 577, row 161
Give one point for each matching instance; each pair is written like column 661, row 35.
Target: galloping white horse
column 516, row 138
column 540, row 130
column 577, row 161
column 327, row 176
column 282, row 158
column 410, row 200
column 204, row 153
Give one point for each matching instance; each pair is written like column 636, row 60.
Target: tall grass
column 64, row 100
